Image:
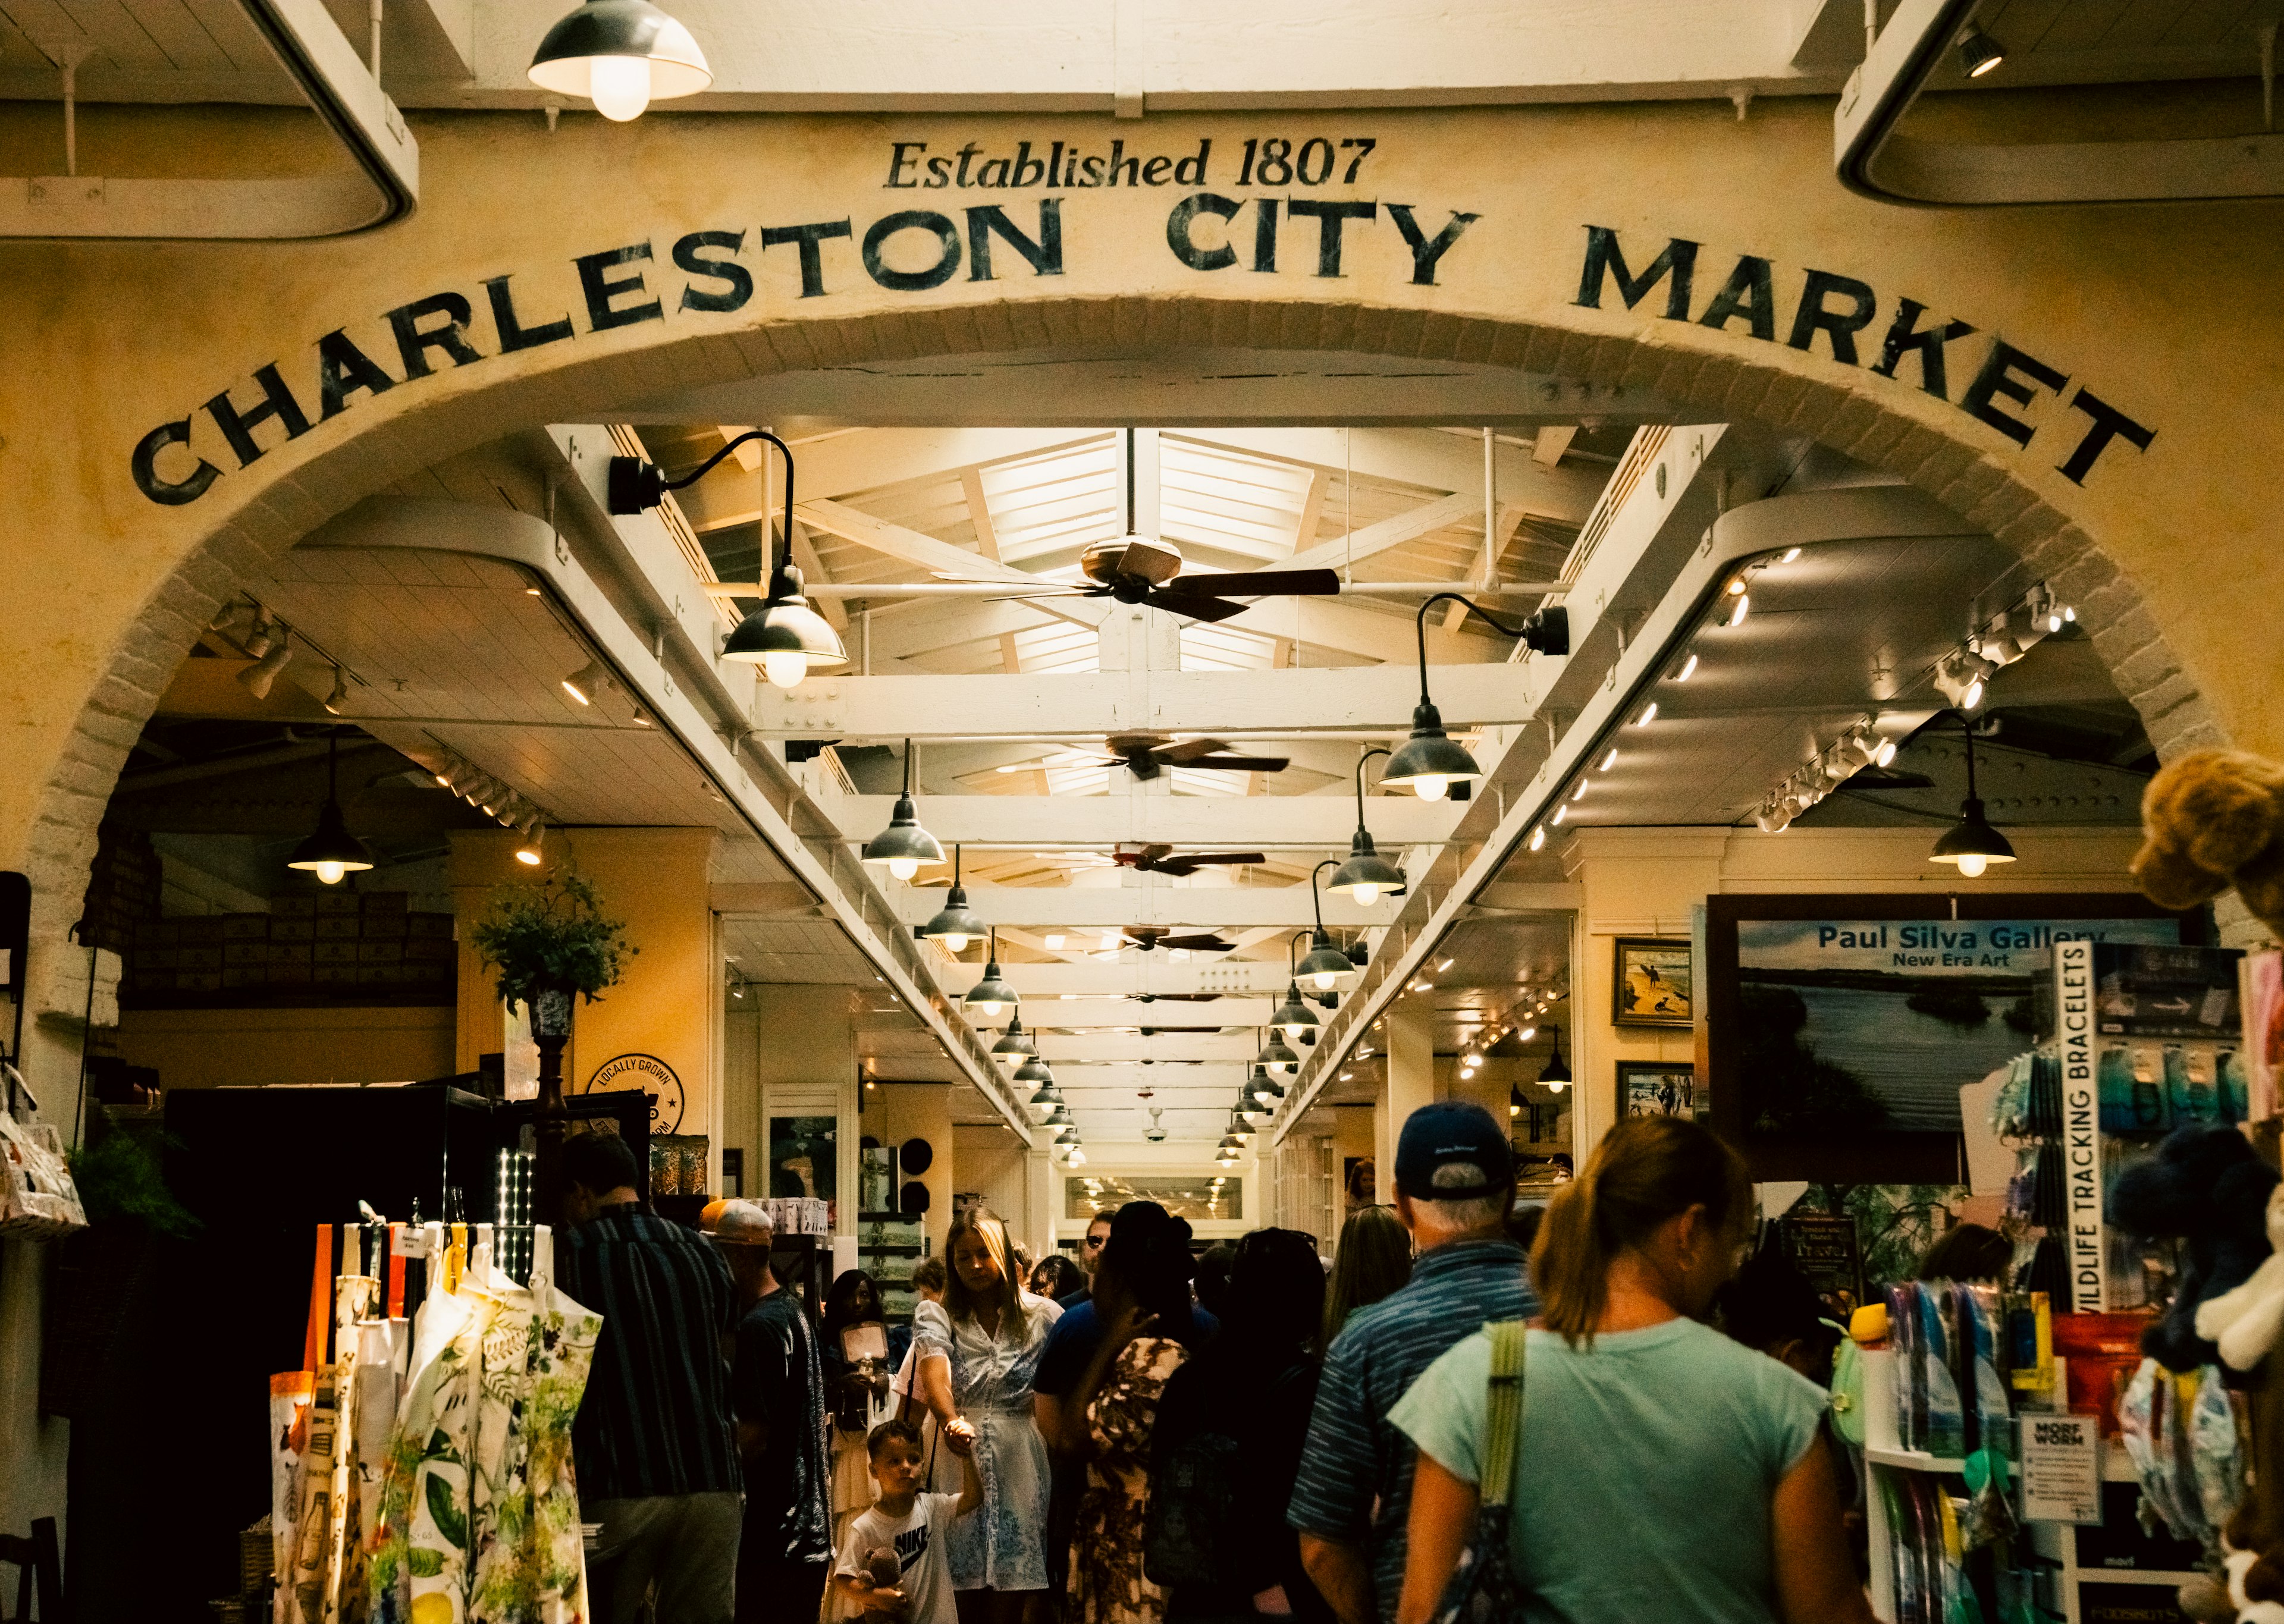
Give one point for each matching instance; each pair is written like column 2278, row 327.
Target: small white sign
column 2062, row 1469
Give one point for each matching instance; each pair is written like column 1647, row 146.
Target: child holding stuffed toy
column 892, row 1567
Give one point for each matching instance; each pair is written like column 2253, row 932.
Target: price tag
column 2062, row 1469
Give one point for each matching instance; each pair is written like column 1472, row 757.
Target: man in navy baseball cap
column 1459, row 1136
column 1454, row 1184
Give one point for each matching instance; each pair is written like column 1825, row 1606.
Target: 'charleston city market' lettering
column 442, row 330
column 1841, row 307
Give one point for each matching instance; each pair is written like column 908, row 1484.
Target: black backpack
column 1192, row 1495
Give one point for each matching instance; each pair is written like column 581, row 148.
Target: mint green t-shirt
column 1647, row 1465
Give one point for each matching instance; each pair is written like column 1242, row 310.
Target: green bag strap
column 1503, row 1414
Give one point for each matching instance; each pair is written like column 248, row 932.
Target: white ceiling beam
column 1078, row 908
column 871, row 459
column 1349, row 628
column 1079, row 705
column 927, row 552
column 1425, row 457
column 1190, row 822
column 1549, row 444
column 1042, row 1013
column 814, row 573
column 1373, row 539
column 1135, row 972
column 1231, row 1048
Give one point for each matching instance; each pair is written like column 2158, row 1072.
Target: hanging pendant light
column 1326, row 966
column 332, row 851
column 1515, row 1102
column 1367, row 874
column 621, row 54
column 992, row 993
column 1277, row 1057
column 1971, row 843
column 956, row 924
column 1293, row 1016
column 904, row 847
column 1048, row 1097
column 1263, row 1088
column 1059, row 1117
column 1555, row 1075
column 1034, row 1070
column 1430, row 762
column 1015, row 1046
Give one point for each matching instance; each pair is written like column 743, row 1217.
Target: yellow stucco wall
column 2164, row 314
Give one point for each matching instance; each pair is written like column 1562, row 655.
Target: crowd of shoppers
column 1123, row 1454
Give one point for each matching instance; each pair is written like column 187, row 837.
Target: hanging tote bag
column 1482, row 1589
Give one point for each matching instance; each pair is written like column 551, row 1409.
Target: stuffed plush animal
column 2210, row 819
column 2244, row 1323
column 2239, row 1565
column 2205, row 1185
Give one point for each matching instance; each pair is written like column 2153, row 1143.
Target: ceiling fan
column 1146, row 756
column 1150, row 937
column 1147, row 569
column 1175, row 997
column 1159, row 860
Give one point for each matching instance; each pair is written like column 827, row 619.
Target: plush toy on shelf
column 2243, row 1323
column 2207, row 1186
column 2209, row 820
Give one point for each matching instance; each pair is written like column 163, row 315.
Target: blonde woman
column 1662, row 1470
column 977, row 1350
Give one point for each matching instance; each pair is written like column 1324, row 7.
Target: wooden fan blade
column 1240, row 763
column 1260, row 584
column 1127, row 744
column 1235, row 859
column 1189, row 750
column 1198, row 608
column 1206, row 943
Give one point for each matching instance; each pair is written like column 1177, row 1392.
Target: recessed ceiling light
column 1538, row 837
column 1790, row 554
column 1688, row 669
column 1446, row 964
column 1610, row 760
column 1744, row 607
column 1648, row 715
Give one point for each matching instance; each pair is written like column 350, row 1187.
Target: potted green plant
column 547, row 943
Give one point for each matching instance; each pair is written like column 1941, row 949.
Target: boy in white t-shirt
column 892, row 1564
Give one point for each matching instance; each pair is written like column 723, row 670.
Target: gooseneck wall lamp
column 786, row 636
column 332, row 851
column 622, row 55
column 1367, row 873
column 956, row 924
column 1430, row 762
column 1325, row 967
column 903, row 848
column 1972, row 843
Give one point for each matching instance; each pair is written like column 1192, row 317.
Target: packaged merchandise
column 2031, row 1342
column 2152, row 1113
column 2236, row 1086
column 1905, row 1337
column 1938, row 1356
column 1982, row 1348
column 2114, row 1085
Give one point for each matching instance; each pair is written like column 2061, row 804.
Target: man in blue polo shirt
column 1454, row 1184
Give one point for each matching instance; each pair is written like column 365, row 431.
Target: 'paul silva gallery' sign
column 1258, row 208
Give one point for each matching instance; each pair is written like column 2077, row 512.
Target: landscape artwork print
column 1854, row 1025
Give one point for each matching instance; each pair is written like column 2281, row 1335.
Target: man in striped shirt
column 1454, row 1184
column 653, row 1442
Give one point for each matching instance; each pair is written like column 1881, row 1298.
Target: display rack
column 887, row 1245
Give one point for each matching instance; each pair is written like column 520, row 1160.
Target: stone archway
column 1853, row 421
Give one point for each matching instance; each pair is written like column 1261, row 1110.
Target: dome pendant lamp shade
column 992, row 993
column 1515, row 1102
column 1429, row 762
column 1325, row 967
column 622, row 55
column 332, row 851
column 1014, row 1047
column 955, row 924
column 1277, row 1057
column 1048, row 1097
column 1367, row 876
column 1035, row 1070
column 1295, row 1017
column 1972, row 843
column 786, row 636
column 1556, row 1074
column 903, row 848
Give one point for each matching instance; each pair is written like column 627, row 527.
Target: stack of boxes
column 332, row 947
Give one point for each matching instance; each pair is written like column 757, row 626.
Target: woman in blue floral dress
column 977, row 1354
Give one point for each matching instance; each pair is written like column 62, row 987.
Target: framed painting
column 1657, row 1088
column 1651, row 984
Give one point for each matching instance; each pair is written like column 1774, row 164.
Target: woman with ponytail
column 1662, row 1470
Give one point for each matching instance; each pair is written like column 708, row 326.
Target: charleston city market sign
column 1272, row 206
